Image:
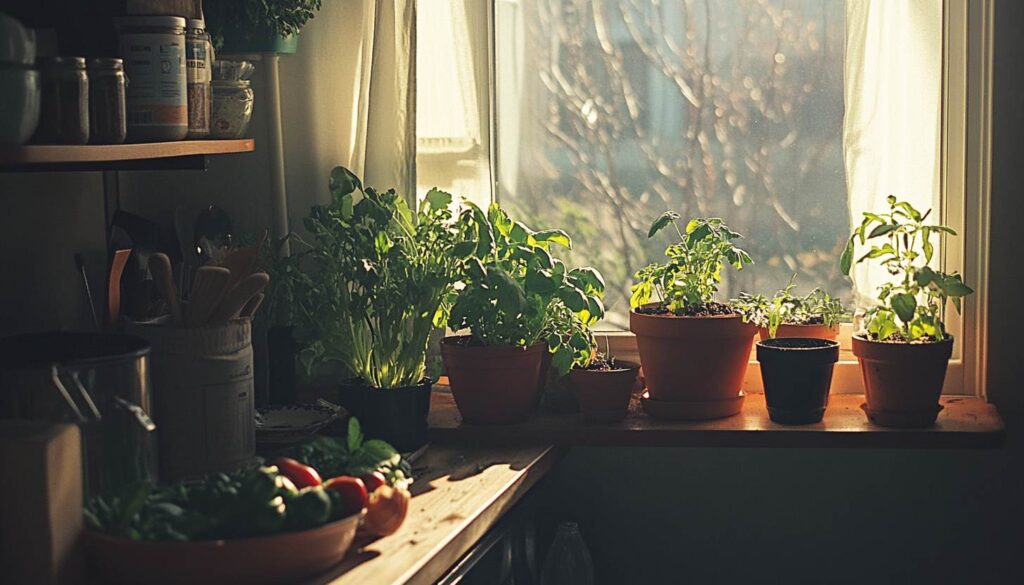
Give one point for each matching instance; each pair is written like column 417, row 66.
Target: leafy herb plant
column 374, row 280
column 815, row 308
column 687, row 282
column 517, row 293
column 912, row 309
column 281, row 17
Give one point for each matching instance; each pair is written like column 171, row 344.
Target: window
column 785, row 117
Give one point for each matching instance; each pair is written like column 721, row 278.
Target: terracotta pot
column 604, row 394
column 693, row 359
column 492, row 385
column 797, row 374
column 803, row 331
column 902, row 381
column 285, row 557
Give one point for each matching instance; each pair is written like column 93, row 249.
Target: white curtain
column 892, row 126
column 383, row 146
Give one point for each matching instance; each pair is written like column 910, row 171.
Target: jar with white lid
column 153, row 49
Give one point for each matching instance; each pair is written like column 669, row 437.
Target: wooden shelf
column 965, row 422
column 185, row 154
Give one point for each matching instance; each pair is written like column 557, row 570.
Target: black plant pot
column 396, row 415
column 797, row 373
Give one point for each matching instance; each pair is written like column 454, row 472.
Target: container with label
column 198, row 61
column 153, row 49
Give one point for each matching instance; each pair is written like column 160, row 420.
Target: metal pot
column 98, row 380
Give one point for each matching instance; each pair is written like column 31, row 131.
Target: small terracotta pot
column 492, row 385
column 902, row 381
column 803, row 331
column 693, row 359
column 604, row 394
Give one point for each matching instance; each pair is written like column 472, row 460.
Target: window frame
column 964, row 193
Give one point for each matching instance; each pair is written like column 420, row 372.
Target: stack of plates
column 293, row 423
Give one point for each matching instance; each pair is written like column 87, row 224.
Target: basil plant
column 516, row 292
column 375, row 279
column 911, row 309
column 785, row 308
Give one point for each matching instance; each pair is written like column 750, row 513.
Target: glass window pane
column 609, row 113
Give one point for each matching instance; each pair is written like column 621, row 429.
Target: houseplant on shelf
column 376, row 278
column 604, row 386
column 904, row 347
column 816, row 314
column 694, row 350
column 519, row 303
column 258, row 26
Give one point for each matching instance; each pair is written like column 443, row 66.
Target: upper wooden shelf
column 965, row 422
column 185, row 154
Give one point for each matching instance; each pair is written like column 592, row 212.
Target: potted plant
column 797, row 374
column 376, row 278
column 257, row 26
column 604, row 387
column 518, row 303
column 814, row 315
column 904, row 347
column 694, row 350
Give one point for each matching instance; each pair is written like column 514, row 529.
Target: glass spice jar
column 232, row 108
column 107, row 118
column 64, row 111
column 198, row 66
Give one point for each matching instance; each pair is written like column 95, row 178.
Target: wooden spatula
column 163, row 279
column 236, row 298
column 208, row 290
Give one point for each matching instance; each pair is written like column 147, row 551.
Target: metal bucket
column 98, row 380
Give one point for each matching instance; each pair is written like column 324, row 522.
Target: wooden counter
column 458, row 495
column 965, row 422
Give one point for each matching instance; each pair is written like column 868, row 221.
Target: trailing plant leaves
column 661, row 222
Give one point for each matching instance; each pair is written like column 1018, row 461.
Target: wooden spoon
column 163, row 279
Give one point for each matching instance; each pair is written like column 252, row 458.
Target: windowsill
column 965, row 423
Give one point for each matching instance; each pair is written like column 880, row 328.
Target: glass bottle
column 107, row 117
column 64, row 111
column 568, row 561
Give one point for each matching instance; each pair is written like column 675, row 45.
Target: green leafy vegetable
column 816, row 307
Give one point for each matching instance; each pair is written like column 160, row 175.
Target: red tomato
column 302, row 476
column 373, row 481
column 351, row 491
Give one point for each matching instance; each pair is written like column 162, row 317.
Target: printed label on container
column 155, row 66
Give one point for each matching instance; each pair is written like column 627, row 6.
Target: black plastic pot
column 797, row 373
column 396, row 415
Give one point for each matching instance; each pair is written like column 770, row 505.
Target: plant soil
column 702, row 310
column 602, row 363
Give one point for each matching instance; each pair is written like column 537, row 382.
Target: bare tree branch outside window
column 728, row 108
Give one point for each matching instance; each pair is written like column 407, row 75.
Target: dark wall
column 834, row 516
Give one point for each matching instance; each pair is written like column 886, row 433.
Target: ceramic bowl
column 17, row 43
column 278, row 558
column 20, row 95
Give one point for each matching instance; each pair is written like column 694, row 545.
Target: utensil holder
column 203, row 396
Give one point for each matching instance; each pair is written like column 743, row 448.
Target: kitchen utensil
column 114, row 287
column 249, row 310
column 98, row 380
column 80, row 264
column 212, row 234
column 235, row 299
column 280, row 558
column 163, row 279
column 242, row 261
column 208, row 290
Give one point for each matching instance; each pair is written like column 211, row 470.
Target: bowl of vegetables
column 268, row 524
